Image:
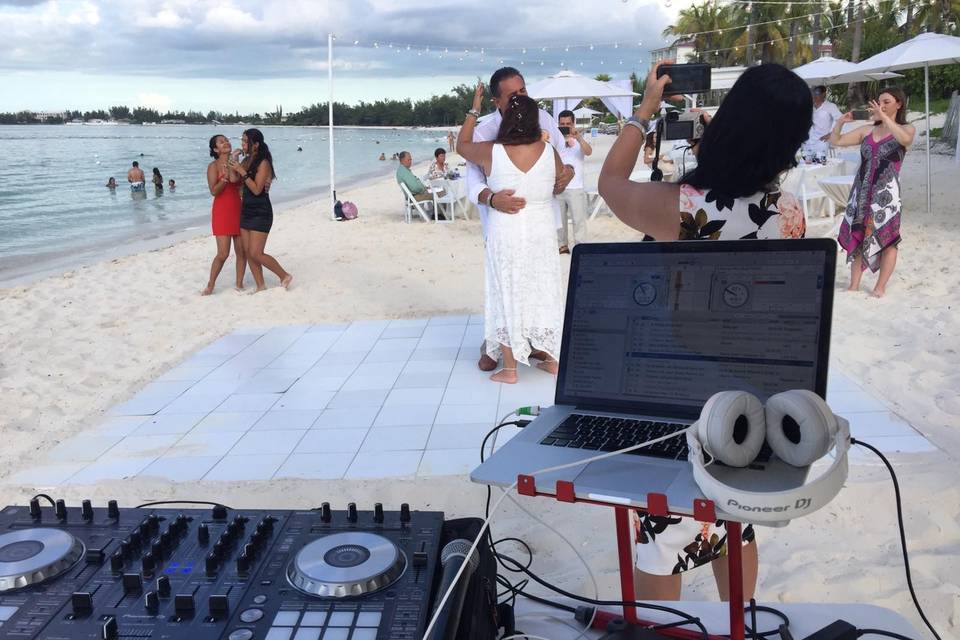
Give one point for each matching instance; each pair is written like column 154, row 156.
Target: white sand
column 74, row 345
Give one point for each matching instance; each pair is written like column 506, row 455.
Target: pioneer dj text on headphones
column 797, row 425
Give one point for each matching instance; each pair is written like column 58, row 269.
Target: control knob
column 378, row 513
column 352, row 512
column 35, row 511
column 86, row 510
column 82, row 603
column 151, row 601
column 163, row 586
column 325, row 513
column 60, row 510
column 113, row 510
column 203, row 534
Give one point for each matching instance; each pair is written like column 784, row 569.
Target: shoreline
column 36, row 267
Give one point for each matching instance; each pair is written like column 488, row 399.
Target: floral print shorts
column 668, row 545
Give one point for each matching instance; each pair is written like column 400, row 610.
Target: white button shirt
column 486, row 131
column 824, row 117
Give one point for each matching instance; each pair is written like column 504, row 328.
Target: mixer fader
column 108, row 573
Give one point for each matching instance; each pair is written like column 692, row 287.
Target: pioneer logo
column 801, row 503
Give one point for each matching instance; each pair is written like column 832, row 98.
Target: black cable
column 204, row 502
column 773, row 633
column 52, row 502
column 878, row 632
column 483, row 446
column 656, row 174
column 609, row 603
column 903, row 535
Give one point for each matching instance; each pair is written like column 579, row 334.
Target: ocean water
column 53, row 198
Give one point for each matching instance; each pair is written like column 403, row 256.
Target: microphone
column 452, row 557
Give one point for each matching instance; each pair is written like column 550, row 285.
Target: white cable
column 506, row 492
column 593, row 578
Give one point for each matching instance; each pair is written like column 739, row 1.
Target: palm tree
column 768, row 32
column 711, row 26
column 939, row 16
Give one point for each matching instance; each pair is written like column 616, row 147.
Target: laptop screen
column 657, row 328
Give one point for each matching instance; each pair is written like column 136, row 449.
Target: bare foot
column 536, row 354
column 486, row 363
column 285, row 283
column 564, row 249
column 505, row 375
column 550, row 366
column 259, row 289
column 878, row 292
column 852, row 289
column 207, row 290
column 239, row 289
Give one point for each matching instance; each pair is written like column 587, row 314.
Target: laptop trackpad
column 626, row 478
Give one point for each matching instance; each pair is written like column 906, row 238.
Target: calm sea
column 53, row 198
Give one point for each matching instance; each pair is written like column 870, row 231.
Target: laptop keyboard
column 602, row 433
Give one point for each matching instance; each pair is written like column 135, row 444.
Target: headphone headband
column 764, row 507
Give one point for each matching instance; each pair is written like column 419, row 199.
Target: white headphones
column 799, row 427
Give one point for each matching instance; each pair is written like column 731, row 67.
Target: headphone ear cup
column 732, row 428
column 800, row 426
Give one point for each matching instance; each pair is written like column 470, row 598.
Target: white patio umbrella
column 925, row 50
column 826, row 70
column 567, row 84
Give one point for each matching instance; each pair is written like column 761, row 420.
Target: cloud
column 249, row 40
column 156, row 101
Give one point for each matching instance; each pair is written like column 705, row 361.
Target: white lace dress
column 524, row 291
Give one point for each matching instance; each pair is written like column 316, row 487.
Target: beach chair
column 802, row 182
column 449, row 198
column 410, row 204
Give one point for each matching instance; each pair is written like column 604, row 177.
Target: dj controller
column 110, row 573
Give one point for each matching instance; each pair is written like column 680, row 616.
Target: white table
column 837, row 188
column 804, row 618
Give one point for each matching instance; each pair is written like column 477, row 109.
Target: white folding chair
column 410, row 203
column 802, row 182
column 448, row 198
column 598, row 203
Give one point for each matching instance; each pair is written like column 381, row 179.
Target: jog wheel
column 346, row 564
column 31, row 556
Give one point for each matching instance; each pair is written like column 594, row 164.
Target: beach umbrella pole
column 333, row 195
column 926, row 103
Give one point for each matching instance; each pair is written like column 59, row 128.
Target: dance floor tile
column 367, row 399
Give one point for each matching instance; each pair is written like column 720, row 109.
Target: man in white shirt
column 825, row 115
column 504, row 84
column 573, row 201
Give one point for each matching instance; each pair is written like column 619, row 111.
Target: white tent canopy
column 922, row 51
column 567, row 84
column 826, row 70
column 584, row 112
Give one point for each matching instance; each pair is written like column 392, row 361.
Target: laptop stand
column 703, row 511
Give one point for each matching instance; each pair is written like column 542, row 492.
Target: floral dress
column 871, row 222
column 667, row 544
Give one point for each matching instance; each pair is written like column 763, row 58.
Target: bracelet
column 642, row 125
column 490, row 200
column 473, row 112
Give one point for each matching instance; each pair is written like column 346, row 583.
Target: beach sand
column 73, row 345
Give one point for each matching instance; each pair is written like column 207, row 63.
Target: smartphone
column 685, row 78
column 860, row 114
column 565, row 130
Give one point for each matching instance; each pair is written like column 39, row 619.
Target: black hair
column 501, row 74
column 820, row 90
column 755, row 135
column 156, row 172
column 521, row 122
column 136, row 164
column 255, row 137
column 566, row 113
column 213, row 145
column 402, row 155
column 439, row 151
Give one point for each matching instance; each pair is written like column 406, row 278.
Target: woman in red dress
column 225, row 187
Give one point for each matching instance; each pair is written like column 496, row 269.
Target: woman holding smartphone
column 224, row 184
column 256, row 215
column 870, row 231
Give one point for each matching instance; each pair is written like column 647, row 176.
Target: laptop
column 651, row 331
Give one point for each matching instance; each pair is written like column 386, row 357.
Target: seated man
column 405, row 176
column 417, row 188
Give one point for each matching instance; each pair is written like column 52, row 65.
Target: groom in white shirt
column 504, row 84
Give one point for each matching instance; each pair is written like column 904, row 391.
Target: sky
column 253, row 55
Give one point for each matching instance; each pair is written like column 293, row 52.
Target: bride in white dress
column 523, row 307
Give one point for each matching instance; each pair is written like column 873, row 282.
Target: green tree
column 120, row 113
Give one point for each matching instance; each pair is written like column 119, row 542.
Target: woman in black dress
column 256, row 214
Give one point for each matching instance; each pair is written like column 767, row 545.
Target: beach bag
column 349, row 210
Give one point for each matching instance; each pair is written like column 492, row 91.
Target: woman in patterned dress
column 870, row 232
column 732, row 194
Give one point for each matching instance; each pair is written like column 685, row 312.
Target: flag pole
column 333, row 193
